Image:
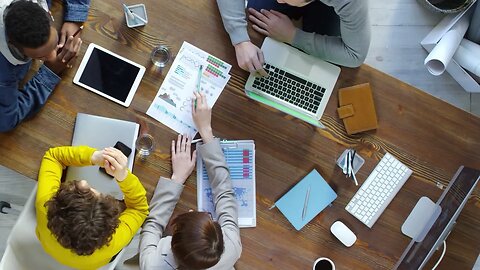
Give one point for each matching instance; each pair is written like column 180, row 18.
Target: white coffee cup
column 323, row 263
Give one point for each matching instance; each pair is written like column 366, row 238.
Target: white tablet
column 109, row 75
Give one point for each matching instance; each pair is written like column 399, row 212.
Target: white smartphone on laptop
column 109, row 75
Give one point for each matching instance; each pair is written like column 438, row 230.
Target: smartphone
column 123, row 148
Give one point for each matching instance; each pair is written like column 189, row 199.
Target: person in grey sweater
column 336, row 31
column 197, row 242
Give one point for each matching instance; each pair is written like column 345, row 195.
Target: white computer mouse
column 343, row 233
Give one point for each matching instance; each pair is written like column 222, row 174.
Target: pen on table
column 305, row 203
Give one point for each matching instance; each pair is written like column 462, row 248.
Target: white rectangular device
column 109, row 75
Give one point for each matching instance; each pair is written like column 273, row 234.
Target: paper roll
column 468, row 56
column 438, row 59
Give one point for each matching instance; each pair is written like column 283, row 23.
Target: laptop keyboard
column 290, row 88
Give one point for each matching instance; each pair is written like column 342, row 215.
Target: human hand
column 68, row 29
column 64, row 58
column 202, row 116
column 115, row 163
column 182, row 161
column 250, row 57
column 273, row 24
column 97, row 158
column 70, row 41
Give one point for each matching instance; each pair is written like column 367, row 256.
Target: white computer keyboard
column 378, row 190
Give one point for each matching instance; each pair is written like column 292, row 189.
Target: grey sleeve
column 351, row 48
column 234, row 19
column 226, row 206
column 162, row 205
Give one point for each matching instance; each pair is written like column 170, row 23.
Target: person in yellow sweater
column 77, row 225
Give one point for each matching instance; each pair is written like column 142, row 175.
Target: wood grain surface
column 428, row 135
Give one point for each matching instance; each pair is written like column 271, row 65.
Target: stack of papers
column 173, row 104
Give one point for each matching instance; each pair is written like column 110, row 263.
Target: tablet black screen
column 108, row 74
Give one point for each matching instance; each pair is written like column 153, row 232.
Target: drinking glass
column 160, row 56
column 145, row 145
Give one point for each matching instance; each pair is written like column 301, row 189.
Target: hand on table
column 273, row 24
column 183, row 161
column 202, row 116
column 250, row 57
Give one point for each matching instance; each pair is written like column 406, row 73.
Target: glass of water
column 160, row 56
column 145, row 145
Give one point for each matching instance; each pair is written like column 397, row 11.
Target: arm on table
column 351, row 48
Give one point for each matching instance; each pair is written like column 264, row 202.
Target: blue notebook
column 313, row 191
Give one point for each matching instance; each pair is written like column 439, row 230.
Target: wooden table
column 428, row 135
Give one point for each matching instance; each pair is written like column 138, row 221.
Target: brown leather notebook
column 357, row 109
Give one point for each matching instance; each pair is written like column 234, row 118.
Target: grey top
column 349, row 49
column 155, row 248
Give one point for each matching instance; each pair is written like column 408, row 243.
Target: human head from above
column 29, row 28
column 197, row 240
column 81, row 218
column 295, row 3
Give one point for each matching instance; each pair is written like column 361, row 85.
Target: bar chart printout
column 240, row 158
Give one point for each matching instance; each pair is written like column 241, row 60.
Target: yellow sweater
column 53, row 163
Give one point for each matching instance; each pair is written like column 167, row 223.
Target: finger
column 78, row 45
column 194, row 109
column 194, row 156
column 203, row 99
column 258, row 22
column 254, row 12
column 261, row 58
column 258, row 66
column 267, row 13
column 69, row 52
column 260, row 15
column 250, row 67
column 106, row 165
column 113, row 162
column 184, row 143
column 63, row 38
column 118, row 156
column 173, row 148
column 189, row 145
column 260, row 30
column 262, row 72
column 278, row 14
column 179, row 141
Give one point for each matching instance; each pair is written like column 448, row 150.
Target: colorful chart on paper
column 172, row 105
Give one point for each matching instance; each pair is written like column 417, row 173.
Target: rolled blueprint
column 468, row 56
column 438, row 59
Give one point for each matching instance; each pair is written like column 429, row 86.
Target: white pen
column 354, row 178
column 305, row 203
column 138, row 17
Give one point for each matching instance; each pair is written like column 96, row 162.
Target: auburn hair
column 197, row 240
column 80, row 219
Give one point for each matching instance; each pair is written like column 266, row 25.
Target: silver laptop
column 298, row 84
column 100, row 132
